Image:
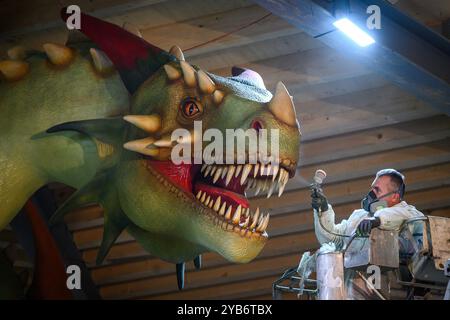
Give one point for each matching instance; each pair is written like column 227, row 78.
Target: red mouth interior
column 189, row 178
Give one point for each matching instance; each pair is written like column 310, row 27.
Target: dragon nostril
column 257, row 125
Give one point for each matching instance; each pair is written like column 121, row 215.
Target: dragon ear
column 134, row 58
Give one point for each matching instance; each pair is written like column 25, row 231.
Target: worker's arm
column 327, row 219
column 391, row 218
column 326, row 226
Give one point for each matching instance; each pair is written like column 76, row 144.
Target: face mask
column 372, row 204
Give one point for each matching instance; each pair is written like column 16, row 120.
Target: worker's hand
column 318, row 200
column 366, row 225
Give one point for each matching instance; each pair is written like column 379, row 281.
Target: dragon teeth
column 230, row 174
column 222, row 208
column 253, row 222
column 262, row 225
column 245, row 173
column 249, row 183
column 276, row 177
column 228, row 213
column 245, row 224
column 265, row 186
column 284, row 177
column 255, row 219
column 217, row 175
column 208, row 169
column 275, row 172
column 276, row 180
column 217, row 204
column 256, row 169
column 271, row 189
column 237, row 215
column 259, row 185
column 281, row 175
column 224, row 172
column 238, row 170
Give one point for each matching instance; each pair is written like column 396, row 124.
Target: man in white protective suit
column 383, row 208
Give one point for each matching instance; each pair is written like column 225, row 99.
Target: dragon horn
column 134, row 58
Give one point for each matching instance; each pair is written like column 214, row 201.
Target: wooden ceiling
column 353, row 122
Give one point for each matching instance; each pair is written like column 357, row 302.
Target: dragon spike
column 13, row 70
column 188, row 73
column 172, row 73
column 149, row 123
column 176, row 51
column 106, row 130
column 205, row 83
column 181, row 267
column 282, row 106
column 164, row 142
column 198, row 262
column 134, row 58
column 101, row 61
column 87, row 194
column 132, row 29
column 115, row 223
column 17, row 53
column 141, row 145
column 57, row 54
column 218, row 97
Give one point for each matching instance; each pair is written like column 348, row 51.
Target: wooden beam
column 197, row 279
column 405, row 51
column 373, row 140
column 222, row 292
column 220, row 31
column 144, row 14
column 403, row 158
column 254, row 51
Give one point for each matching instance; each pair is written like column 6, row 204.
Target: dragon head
column 179, row 210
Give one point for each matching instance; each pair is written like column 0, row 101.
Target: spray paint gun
column 319, row 176
column 318, row 179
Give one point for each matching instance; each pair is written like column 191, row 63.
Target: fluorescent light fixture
column 352, row 31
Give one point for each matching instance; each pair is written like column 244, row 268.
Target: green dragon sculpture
column 97, row 114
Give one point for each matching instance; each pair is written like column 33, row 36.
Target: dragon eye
column 191, row 108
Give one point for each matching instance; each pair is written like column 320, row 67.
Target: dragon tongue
column 183, row 176
column 228, row 196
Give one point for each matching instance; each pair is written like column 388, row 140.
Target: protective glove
column 366, row 225
column 318, row 200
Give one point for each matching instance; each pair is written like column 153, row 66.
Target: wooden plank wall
column 353, row 123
